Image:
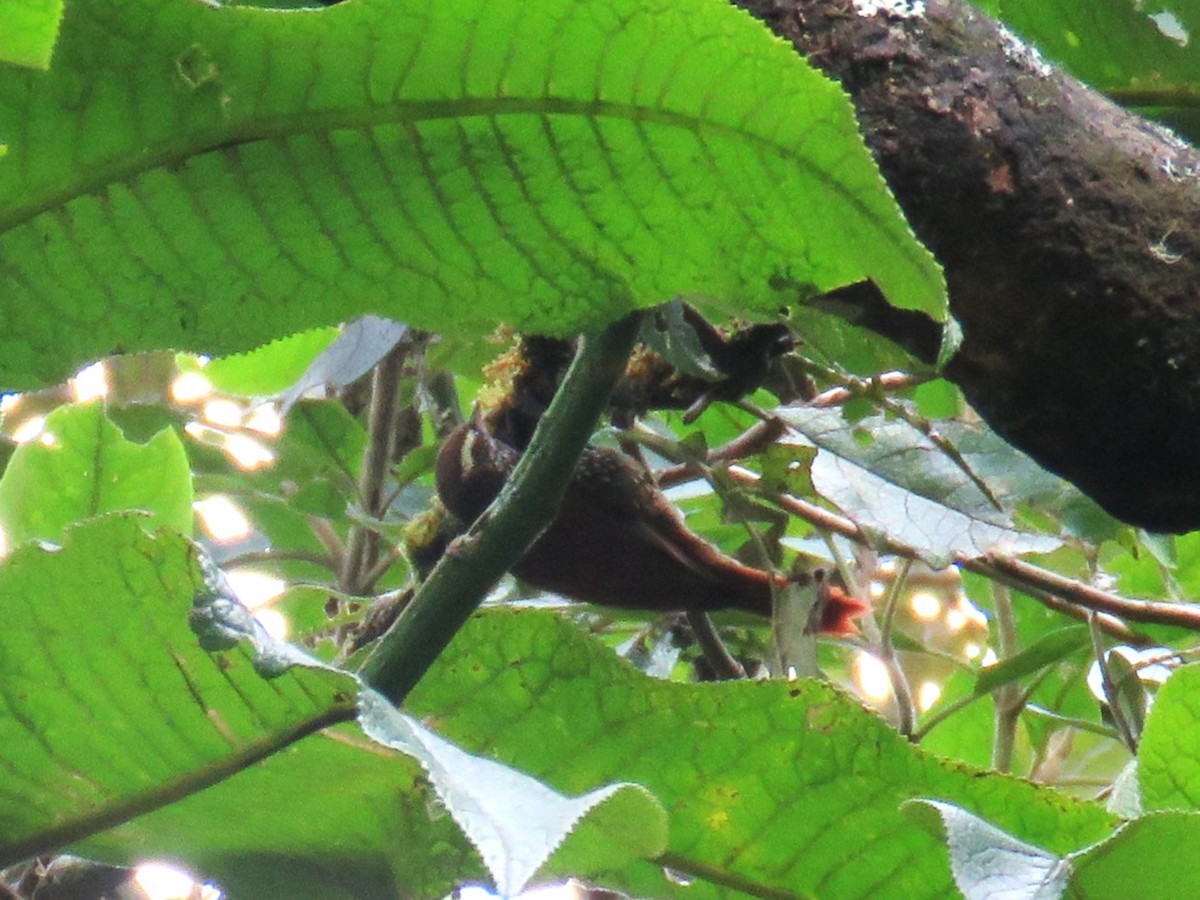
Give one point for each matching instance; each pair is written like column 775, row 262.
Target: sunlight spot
column 956, row 620
column 273, row 622
column 3, row 542
column 190, row 387
column 91, row 383
column 223, row 412
column 255, row 589
column 9, row 402
column 162, row 882
column 265, row 420
column 247, row 452
column 925, row 606
column 901, row 9
column 29, row 430
column 878, row 589
column 1169, row 26
column 872, row 677
column 974, row 614
column 972, row 650
column 928, row 695
column 222, row 518
column 48, row 439
column 989, row 658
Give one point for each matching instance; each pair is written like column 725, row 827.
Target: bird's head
column 471, row 468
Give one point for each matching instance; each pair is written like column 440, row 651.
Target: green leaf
column 28, row 29
column 893, row 480
column 516, row 823
column 270, row 369
column 207, row 178
column 178, row 718
column 792, row 787
column 83, row 467
column 989, row 863
column 110, row 707
column 1170, row 745
column 1118, row 47
column 967, row 734
column 1141, row 859
column 115, row 714
column 1046, row 651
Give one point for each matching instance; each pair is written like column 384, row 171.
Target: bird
column 617, row 541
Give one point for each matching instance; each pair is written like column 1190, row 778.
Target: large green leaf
column 113, row 715
column 1167, row 771
column 787, row 789
column 1140, row 859
column 208, row 178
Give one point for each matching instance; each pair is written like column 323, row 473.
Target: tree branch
column 1069, row 230
column 1062, row 594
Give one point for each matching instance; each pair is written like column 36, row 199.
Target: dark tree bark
column 1069, row 232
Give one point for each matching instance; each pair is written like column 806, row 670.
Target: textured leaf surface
column 84, row 467
column 894, row 481
column 1169, row 753
column 27, row 32
column 987, row 863
column 1140, row 859
column 110, row 708
column 109, row 705
column 791, row 786
column 516, row 823
column 202, row 178
column 1144, row 859
column 270, row 369
column 1116, row 46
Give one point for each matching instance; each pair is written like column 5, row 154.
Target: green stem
column 692, row 868
column 905, row 708
column 522, row 511
column 1007, row 698
column 363, row 542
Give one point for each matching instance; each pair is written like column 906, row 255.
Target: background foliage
column 186, row 178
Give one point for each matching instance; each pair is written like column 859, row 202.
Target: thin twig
column 905, row 708
column 1124, row 732
column 941, row 715
column 1045, row 586
column 868, row 389
column 324, row 560
column 386, row 560
column 1071, row 722
column 1185, row 615
column 754, row 440
column 888, row 381
column 327, row 537
column 716, row 654
column 363, row 541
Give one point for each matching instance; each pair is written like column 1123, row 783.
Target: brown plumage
column 617, row 540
